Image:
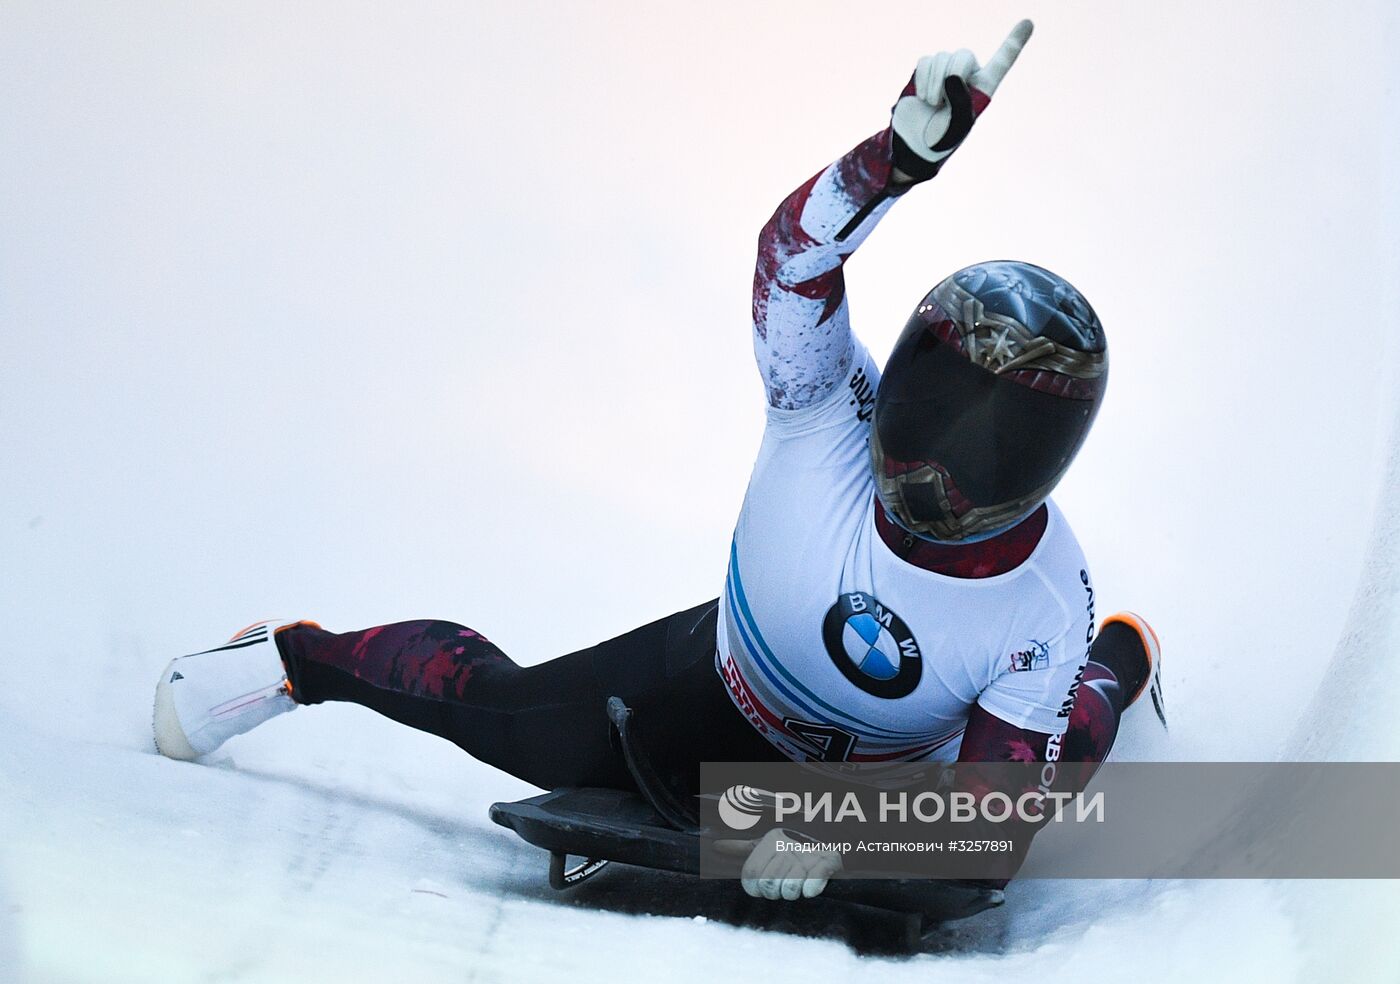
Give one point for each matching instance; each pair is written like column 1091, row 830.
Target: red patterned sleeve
column 801, row 330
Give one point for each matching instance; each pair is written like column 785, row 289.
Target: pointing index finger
column 999, row 64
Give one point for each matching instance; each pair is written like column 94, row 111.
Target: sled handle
column 649, row 784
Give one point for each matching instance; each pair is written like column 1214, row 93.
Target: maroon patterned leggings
column 546, row 724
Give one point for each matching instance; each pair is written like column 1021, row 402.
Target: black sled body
column 654, row 831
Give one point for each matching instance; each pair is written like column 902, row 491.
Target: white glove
column 936, row 110
column 773, row 873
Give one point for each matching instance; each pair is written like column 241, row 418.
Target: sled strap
column 667, row 805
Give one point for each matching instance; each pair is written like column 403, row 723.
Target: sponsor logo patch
column 1036, row 657
column 871, row 646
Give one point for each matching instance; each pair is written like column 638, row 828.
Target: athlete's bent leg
column 1123, row 664
column 1123, row 661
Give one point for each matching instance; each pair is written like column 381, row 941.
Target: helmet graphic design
column 986, row 399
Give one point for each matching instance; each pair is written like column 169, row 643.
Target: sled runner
column 654, row 830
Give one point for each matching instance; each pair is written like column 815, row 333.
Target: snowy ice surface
column 360, row 314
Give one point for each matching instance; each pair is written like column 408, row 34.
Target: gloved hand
column 774, row 873
column 938, row 106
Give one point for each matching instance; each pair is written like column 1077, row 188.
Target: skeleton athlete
column 900, row 585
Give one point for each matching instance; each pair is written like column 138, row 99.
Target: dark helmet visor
column 999, row 440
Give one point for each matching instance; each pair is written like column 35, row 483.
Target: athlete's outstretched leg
column 439, row 677
column 545, row 724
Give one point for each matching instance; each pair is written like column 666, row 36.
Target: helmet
column 985, row 400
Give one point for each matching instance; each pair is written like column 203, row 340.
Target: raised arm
column 801, row 328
